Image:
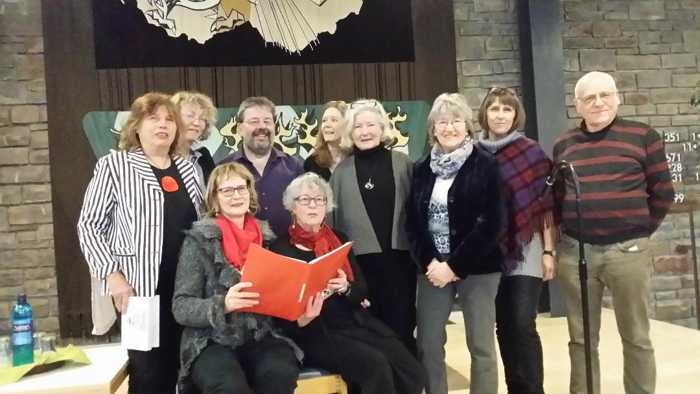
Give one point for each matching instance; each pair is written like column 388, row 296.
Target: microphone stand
column 582, row 267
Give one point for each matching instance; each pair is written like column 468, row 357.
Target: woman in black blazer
column 453, row 220
column 198, row 113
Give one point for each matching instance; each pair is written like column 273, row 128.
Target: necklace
column 369, row 185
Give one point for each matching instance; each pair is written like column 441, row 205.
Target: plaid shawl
column 524, row 169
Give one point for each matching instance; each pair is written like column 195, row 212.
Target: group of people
column 471, row 222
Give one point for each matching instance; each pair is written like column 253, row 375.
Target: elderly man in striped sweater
column 626, row 192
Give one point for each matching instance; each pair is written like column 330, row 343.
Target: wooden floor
column 677, row 352
column 677, row 357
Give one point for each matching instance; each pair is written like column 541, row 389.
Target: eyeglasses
column 605, row 97
column 256, row 122
column 192, row 117
column 456, row 123
column 241, row 190
column 306, row 200
column 365, row 103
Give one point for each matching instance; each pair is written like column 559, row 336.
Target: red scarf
column 321, row 242
column 236, row 240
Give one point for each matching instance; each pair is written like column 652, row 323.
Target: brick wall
column 27, row 262
column 653, row 50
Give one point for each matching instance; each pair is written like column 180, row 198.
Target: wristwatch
column 552, row 253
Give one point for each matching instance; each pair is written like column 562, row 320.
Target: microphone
column 558, row 169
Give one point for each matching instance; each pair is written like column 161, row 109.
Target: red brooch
column 169, row 184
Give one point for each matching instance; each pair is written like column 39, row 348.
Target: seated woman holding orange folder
column 225, row 350
column 345, row 339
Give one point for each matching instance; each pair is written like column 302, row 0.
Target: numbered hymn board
column 682, row 149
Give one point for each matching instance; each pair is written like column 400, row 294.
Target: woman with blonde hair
column 454, row 218
column 226, row 350
column 327, row 152
column 371, row 187
column 136, row 207
column 198, row 114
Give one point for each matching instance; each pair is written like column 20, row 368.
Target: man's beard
column 259, row 148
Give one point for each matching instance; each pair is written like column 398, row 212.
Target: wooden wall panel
column 75, row 87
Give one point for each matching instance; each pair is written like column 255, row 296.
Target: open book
column 284, row 283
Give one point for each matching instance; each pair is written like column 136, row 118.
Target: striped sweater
column 626, row 187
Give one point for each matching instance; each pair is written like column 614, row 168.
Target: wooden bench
column 313, row 381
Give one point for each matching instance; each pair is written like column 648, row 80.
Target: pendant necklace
column 369, row 185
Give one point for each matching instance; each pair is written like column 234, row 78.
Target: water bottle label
column 22, row 333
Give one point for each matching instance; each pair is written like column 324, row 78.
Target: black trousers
column 368, row 362
column 265, row 367
column 391, row 281
column 516, row 330
column 156, row 371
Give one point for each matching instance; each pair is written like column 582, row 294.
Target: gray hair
column 591, row 76
column 310, row 180
column 454, row 104
column 366, row 105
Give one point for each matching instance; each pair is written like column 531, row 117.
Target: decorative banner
column 297, row 127
column 148, row 33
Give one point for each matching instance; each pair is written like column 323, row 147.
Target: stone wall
column 27, row 263
column 653, row 50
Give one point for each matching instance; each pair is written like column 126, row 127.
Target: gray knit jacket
column 203, row 278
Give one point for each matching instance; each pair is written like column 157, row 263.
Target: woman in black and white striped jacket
column 136, row 207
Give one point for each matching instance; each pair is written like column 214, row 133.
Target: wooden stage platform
column 677, row 352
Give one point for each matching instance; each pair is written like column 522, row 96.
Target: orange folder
column 284, row 283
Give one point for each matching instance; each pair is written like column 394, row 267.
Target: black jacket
column 475, row 213
column 336, row 309
column 207, row 164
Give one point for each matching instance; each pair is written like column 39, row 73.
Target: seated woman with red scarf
column 344, row 339
column 224, row 350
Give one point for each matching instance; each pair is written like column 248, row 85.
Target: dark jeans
column 265, row 367
column 516, row 330
column 370, row 363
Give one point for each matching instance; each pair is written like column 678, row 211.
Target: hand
column 433, row 263
column 440, row 274
column 120, row 289
column 313, row 309
column 548, row 267
column 236, row 298
column 339, row 284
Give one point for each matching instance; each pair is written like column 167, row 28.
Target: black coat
column 475, row 213
column 207, row 164
column 337, row 306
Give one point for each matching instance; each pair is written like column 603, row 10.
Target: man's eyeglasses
column 605, row 97
column 256, row 122
column 306, row 200
column 230, row 191
column 456, row 123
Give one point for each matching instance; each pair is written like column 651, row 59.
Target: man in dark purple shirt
column 273, row 169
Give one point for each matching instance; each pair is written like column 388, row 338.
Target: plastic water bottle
column 22, row 330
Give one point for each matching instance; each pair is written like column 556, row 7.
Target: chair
column 318, row 381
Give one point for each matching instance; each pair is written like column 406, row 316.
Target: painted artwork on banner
column 296, row 129
column 143, row 33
